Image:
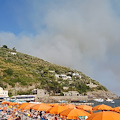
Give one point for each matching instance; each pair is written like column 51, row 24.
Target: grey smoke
column 83, row 35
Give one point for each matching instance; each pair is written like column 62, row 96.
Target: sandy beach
column 33, row 111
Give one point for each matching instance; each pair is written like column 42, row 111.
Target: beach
column 28, row 111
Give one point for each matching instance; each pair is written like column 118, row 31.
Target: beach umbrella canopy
column 56, row 109
column 5, row 102
column 28, row 106
column 70, row 106
column 10, row 103
column 53, row 105
column 117, row 109
column 73, row 113
column 106, row 115
column 22, row 105
column 4, row 108
column 84, row 107
column 41, row 107
column 47, row 111
column 13, row 103
column 102, row 107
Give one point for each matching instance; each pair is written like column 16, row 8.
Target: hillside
column 20, row 73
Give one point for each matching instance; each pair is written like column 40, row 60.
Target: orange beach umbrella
column 106, row 115
column 53, row 105
column 56, row 109
column 117, row 109
column 13, row 103
column 102, row 107
column 41, row 107
column 5, row 102
column 84, row 107
column 70, row 106
column 28, row 106
column 22, row 105
column 73, row 113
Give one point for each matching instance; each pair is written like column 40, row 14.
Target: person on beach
column 19, row 118
column 40, row 114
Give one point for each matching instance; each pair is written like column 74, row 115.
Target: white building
column 63, row 76
column 76, row 75
column 57, row 76
column 72, row 93
column 3, row 93
column 51, row 71
column 69, row 77
column 13, row 53
column 65, row 88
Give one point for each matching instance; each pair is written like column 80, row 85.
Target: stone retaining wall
column 60, row 98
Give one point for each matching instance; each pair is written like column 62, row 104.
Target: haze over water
column 116, row 104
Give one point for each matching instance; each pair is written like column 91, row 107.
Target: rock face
column 90, row 96
column 101, row 94
column 52, row 99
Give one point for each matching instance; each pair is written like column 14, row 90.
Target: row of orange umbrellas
column 47, row 106
column 10, row 103
column 42, row 107
column 105, row 114
column 72, row 112
column 106, row 107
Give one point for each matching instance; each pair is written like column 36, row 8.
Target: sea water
column 116, row 104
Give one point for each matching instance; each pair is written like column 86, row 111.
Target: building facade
column 3, row 93
column 40, row 92
column 71, row 93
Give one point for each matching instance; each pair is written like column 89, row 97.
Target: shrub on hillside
column 9, row 71
column 5, row 46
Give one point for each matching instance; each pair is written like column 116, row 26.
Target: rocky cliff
column 101, row 94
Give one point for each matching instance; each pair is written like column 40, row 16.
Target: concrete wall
column 77, row 98
column 41, row 92
column 59, row 98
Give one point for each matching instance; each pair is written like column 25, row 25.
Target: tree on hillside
column 5, row 46
column 14, row 49
column 9, row 71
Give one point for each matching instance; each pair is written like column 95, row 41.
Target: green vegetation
column 28, row 92
column 9, row 71
column 101, row 88
column 5, row 46
column 22, row 70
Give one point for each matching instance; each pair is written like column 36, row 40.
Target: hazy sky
column 80, row 34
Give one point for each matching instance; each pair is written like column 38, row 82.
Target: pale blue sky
column 80, row 34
